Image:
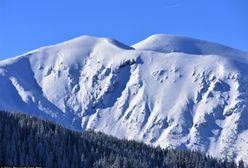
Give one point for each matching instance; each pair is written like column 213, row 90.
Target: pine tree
column 241, row 164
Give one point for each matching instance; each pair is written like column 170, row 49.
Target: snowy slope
column 166, row 90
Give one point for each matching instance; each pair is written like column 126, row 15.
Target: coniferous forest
column 29, row 141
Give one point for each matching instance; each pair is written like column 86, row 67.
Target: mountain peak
column 93, row 40
column 171, row 43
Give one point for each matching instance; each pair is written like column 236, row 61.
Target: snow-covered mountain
column 166, row 90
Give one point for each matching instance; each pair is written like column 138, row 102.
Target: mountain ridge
column 183, row 98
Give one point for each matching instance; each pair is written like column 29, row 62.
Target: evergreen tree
column 241, row 164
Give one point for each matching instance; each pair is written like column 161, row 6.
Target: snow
column 167, row 90
column 171, row 43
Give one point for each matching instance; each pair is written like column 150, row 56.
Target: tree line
column 29, row 141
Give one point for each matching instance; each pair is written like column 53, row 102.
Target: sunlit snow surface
column 166, row 90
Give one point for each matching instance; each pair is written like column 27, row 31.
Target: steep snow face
column 164, row 92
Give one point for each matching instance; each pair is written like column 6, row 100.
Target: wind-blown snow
column 166, row 90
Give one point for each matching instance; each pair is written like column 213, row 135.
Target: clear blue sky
column 29, row 24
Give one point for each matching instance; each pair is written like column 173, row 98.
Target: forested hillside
column 29, row 141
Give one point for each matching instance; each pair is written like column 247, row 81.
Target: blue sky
column 30, row 24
